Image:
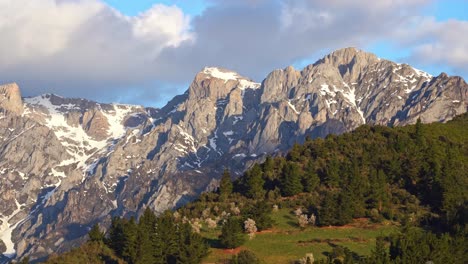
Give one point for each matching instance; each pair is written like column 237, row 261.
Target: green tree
column 225, row 185
column 130, row 232
column 291, row 179
column 146, row 234
column 192, row 247
column 166, row 243
column 379, row 254
column 254, row 183
column 260, row 212
column 232, row 234
column 332, row 172
column 116, row 238
column 418, row 133
column 95, row 234
column 310, row 180
column 245, row 257
column 328, row 210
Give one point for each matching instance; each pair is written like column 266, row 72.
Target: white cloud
column 86, row 48
column 254, row 37
column 437, row 42
column 73, row 47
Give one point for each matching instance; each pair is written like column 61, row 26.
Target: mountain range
column 66, row 164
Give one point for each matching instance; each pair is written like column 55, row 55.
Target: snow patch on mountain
column 5, row 232
column 230, row 76
column 77, row 142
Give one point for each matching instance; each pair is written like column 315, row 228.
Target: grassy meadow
column 287, row 242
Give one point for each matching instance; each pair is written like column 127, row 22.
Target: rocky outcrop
column 97, row 160
column 10, row 99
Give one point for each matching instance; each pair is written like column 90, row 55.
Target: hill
column 374, row 195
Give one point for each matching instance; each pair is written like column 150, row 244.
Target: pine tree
column 291, row 180
column 346, row 208
column 166, row 232
column 295, row 153
column 232, row 233
column 225, row 185
column 254, row 183
column 332, row 173
column 145, row 238
column 418, row 134
column 191, row 246
column 310, row 179
column 379, row 254
column 328, row 210
column 260, row 212
column 95, row 234
column 116, row 238
column 129, row 252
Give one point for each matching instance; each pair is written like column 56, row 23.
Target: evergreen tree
column 192, row 248
column 379, row 254
column 225, row 185
column 295, row 153
column 260, row 212
column 116, row 238
column 130, row 230
column 291, row 180
column 166, row 232
column 346, row 208
column 232, row 233
column 418, row 134
column 95, row 234
column 254, row 183
column 146, row 234
column 328, row 210
column 332, row 173
column 310, row 180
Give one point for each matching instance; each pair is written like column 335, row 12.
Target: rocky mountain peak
column 350, row 62
column 10, row 99
column 216, row 83
column 130, row 157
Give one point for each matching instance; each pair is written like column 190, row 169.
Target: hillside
column 375, row 195
column 91, row 161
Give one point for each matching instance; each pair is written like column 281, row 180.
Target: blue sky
column 146, row 52
column 132, row 8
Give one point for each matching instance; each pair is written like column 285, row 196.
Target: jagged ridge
column 130, row 157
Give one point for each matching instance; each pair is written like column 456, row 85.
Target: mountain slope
column 116, row 160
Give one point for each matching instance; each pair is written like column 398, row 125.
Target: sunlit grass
column 286, row 242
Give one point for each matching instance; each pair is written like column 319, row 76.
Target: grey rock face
column 96, row 160
column 10, row 99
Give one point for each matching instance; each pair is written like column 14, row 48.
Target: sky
column 147, row 51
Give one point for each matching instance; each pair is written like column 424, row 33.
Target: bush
column 245, row 257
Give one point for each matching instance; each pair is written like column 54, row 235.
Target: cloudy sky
column 145, row 51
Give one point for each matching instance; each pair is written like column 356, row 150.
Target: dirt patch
column 233, row 251
column 364, row 223
column 267, row 231
column 332, row 241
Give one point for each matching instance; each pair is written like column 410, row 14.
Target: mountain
column 69, row 163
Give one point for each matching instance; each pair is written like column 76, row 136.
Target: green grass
column 287, row 242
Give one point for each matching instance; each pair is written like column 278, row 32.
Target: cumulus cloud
column 86, row 48
column 254, row 37
column 433, row 42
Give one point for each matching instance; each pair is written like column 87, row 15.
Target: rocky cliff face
column 10, row 99
column 67, row 163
